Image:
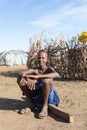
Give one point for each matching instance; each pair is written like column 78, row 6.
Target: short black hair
column 41, row 51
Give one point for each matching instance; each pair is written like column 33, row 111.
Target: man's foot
column 43, row 113
column 26, row 110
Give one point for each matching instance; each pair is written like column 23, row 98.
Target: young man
column 37, row 84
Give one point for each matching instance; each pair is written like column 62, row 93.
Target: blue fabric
column 38, row 85
column 53, row 97
column 38, row 97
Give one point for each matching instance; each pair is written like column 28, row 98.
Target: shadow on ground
column 14, row 104
column 11, row 104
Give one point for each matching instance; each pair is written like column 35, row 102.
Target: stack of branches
column 77, row 65
column 69, row 58
column 35, row 45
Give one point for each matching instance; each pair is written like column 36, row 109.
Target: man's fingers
column 31, row 84
column 34, row 87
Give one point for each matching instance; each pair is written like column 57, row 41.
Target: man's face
column 42, row 58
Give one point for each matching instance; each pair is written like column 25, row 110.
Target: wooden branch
column 63, row 115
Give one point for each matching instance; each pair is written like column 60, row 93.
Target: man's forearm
column 50, row 75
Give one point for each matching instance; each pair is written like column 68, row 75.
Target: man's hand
column 31, row 84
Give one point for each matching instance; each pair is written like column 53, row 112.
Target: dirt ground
column 73, row 99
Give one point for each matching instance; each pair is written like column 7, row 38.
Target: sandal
column 25, row 111
column 43, row 113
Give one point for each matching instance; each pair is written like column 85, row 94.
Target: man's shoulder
column 51, row 69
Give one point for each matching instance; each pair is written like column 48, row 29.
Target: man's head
column 42, row 57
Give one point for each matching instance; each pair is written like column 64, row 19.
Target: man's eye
column 40, row 58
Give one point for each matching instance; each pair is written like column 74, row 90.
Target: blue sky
column 22, row 19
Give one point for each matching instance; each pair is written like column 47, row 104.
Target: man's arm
column 39, row 76
column 26, row 72
column 49, row 75
column 23, row 80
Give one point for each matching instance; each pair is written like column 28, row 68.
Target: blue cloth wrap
column 38, row 97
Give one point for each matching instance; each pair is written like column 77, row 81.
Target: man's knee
column 46, row 81
column 21, row 82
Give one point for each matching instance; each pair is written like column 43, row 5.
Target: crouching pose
column 37, row 85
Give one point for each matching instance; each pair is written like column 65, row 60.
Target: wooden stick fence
column 69, row 58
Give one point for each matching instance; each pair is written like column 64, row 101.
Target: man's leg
column 23, row 86
column 46, row 86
